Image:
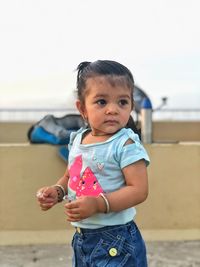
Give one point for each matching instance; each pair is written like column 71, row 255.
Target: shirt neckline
column 114, row 136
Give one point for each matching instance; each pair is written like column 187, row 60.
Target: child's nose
column 112, row 109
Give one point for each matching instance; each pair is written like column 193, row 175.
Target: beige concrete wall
column 174, row 180
column 163, row 131
column 172, row 131
column 174, row 183
column 23, row 169
column 14, row 132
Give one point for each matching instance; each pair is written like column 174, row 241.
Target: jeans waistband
column 102, row 229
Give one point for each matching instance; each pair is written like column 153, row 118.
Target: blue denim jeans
column 110, row 246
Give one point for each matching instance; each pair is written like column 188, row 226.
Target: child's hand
column 82, row 208
column 47, row 197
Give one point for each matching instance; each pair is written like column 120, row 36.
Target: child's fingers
column 71, row 205
column 47, row 191
column 41, row 193
column 44, row 199
column 46, row 206
column 72, row 211
column 73, row 220
column 73, row 217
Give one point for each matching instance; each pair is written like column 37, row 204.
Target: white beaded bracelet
column 106, row 202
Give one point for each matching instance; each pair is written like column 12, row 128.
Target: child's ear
column 81, row 108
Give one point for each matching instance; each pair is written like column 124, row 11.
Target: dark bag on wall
column 53, row 130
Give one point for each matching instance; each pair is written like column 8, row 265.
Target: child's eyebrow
column 105, row 95
column 124, row 96
column 100, row 95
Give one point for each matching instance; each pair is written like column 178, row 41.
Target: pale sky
column 43, row 41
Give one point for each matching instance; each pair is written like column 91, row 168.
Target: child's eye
column 101, row 102
column 123, row 102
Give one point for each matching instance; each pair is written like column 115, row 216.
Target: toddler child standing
column 106, row 175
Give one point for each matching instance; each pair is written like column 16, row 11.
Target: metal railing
column 35, row 114
column 179, row 114
column 31, row 114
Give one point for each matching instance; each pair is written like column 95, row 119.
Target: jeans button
column 113, row 252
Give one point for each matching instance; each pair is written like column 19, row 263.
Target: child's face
column 107, row 106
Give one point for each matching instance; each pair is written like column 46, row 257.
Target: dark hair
column 109, row 68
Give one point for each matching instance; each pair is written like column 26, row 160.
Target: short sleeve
column 134, row 152
column 73, row 135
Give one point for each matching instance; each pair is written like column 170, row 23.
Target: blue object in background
column 39, row 135
column 146, row 103
column 53, row 130
column 63, row 153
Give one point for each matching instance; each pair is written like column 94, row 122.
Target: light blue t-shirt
column 96, row 168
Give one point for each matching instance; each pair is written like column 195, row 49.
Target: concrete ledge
column 163, row 131
column 65, row 236
column 174, row 182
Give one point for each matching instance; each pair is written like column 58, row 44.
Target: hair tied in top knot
column 81, row 67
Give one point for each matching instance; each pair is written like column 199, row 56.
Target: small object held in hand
column 39, row 194
column 67, row 198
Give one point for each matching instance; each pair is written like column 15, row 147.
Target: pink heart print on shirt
column 85, row 185
column 89, row 185
column 74, row 173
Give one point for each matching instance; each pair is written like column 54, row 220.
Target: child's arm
column 63, row 181
column 135, row 192
column 48, row 196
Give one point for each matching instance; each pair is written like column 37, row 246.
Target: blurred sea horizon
column 36, row 114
